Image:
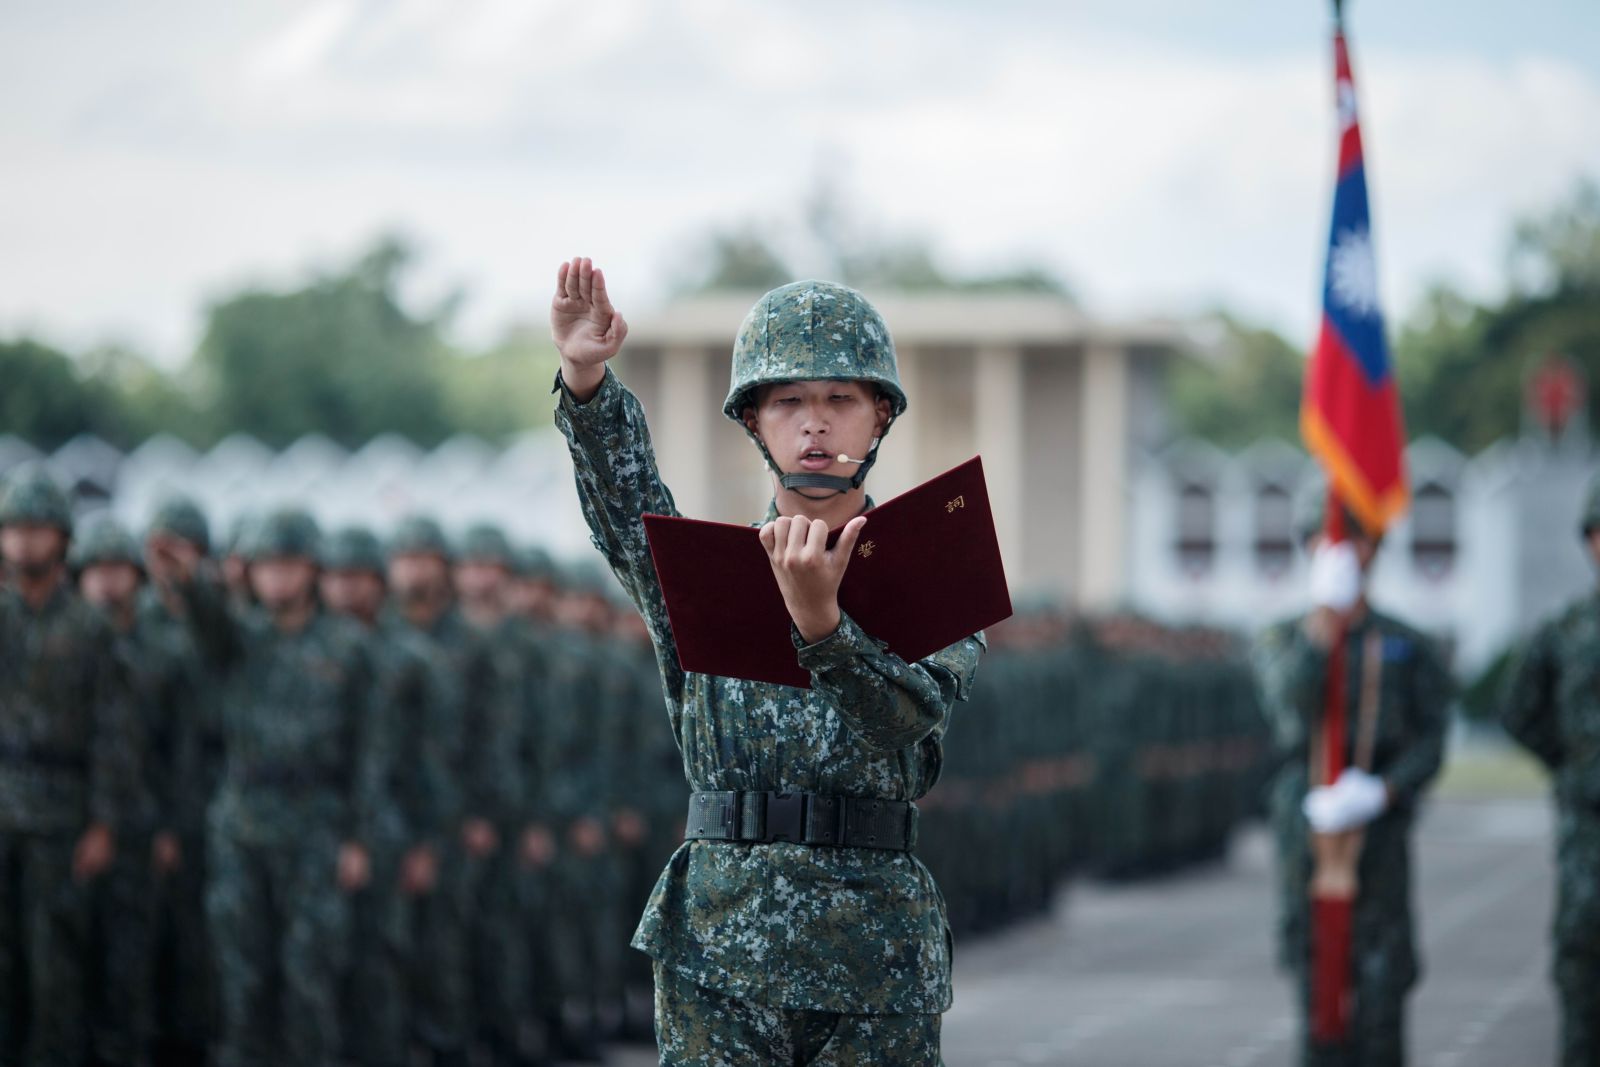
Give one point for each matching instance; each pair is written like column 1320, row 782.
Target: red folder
column 925, row 573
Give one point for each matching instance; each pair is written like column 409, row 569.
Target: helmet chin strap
column 833, row 483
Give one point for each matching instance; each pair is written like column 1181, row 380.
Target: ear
column 751, row 422
column 885, row 412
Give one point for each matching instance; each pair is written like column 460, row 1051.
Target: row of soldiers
column 1111, row 747
column 318, row 798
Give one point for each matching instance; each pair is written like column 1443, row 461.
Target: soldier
column 795, row 926
column 67, row 772
column 497, row 950
column 479, row 775
column 298, row 800
column 410, row 711
column 1398, row 702
column 1552, row 707
column 185, row 979
column 158, row 670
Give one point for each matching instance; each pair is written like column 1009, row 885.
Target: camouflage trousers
column 699, row 1027
column 374, row 993
column 436, row 924
column 184, row 985
column 1577, row 933
column 587, row 953
column 44, row 947
column 278, row 924
column 121, row 956
column 496, row 952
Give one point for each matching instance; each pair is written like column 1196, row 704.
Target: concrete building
column 1058, row 404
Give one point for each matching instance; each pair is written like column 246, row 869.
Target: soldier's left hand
column 94, row 852
column 355, row 868
column 166, row 855
column 808, row 571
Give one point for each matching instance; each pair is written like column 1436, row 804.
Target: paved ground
column 1179, row 973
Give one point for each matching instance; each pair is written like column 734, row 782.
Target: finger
column 561, row 280
column 768, row 536
column 848, row 537
column 617, row 332
column 602, row 299
column 816, row 539
column 572, row 278
column 798, row 529
column 586, row 281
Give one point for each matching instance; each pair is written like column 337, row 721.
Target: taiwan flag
column 1350, row 413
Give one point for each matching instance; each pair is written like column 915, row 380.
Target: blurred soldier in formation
column 410, row 710
column 298, row 800
column 157, row 665
column 67, row 777
column 496, row 949
column 474, row 754
column 1552, row 706
column 184, row 994
column 1398, row 703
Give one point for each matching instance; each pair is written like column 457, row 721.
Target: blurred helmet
column 240, row 532
column 813, row 331
column 419, row 535
column 353, row 548
column 1591, row 508
column 533, row 562
column 181, row 517
column 484, row 542
column 31, row 496
column 288, row 533
column 105, row 541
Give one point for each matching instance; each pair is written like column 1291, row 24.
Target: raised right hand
column 587, row 330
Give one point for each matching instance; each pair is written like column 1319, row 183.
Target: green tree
column 339, row 356
column 1246, row 389
column 43, row 400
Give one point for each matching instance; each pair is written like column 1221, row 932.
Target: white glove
column 1354, row 800
column 1335, row 576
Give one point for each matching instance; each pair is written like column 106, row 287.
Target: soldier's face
column 480, row 581
column 108, row 585
column 281, row 584
column 806, row 425
column 418, row 576
column 529, row 597
column 32, row 548
column 358, row 593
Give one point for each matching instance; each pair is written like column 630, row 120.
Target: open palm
column 586, row 328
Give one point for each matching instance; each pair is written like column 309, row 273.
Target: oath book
column 925, row 573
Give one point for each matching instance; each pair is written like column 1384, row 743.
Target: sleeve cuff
column 837, row 649
column 575, row 408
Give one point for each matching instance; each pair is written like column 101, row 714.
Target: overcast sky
column 1164, row 155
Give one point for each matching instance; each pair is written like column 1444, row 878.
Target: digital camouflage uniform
column 157, row 668
column 303, row 774
column 184, row 986
column 1412, row 715
column 480, row 781
column 409, row 710
column 1552, row 706
column 858, row 933
column 67, row 758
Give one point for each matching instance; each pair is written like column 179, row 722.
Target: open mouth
column 816, row 459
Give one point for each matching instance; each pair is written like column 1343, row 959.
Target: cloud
column 510, row 133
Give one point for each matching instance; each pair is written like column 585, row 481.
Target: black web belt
column 802, row 819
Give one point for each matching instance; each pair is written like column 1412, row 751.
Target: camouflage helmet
column 105, row 541
column 1591, row 508
column 240, row 531
column 181, row 517
column 419, row 535
column 484, row 542
column 288, row 533
column 533, row 562
column 813, row 331
column 352, row 548
column 31, row 496
column 586, row 578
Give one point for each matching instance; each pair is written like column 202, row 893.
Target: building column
column 1102, row 514
column 682, row 433
column 997, row 404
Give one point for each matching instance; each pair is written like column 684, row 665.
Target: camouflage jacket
column 791, row 926
column 159, row 666
column 67, row 747
column 1552, row 702
column 300, row 750
column 411, row 713
column 1413, row 709
column 477, row 746
column 192, row 721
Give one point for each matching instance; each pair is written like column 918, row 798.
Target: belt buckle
column 786, row 818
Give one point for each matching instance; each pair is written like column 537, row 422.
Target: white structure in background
column 1489, row 548
column 526, row 487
